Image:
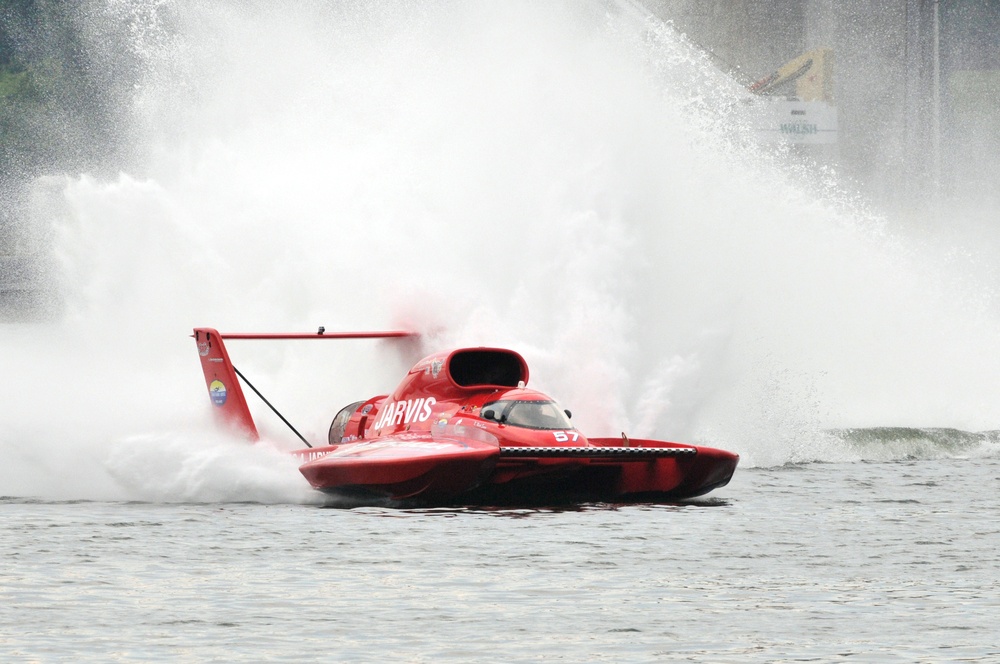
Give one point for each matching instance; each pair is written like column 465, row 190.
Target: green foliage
column 21, row 105
column 52, row 114
column 16, row 84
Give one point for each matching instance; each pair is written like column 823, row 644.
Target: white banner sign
column 789, row 121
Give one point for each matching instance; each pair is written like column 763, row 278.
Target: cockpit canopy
column 528, row 414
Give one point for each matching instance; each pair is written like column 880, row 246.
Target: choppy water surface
column 870, row 561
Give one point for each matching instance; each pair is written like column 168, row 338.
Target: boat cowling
column 445, row 376
column 457, row 373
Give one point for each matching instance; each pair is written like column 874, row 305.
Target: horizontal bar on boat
column 596, row 452
column 317, row 335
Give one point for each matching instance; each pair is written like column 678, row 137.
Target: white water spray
column 551, row 178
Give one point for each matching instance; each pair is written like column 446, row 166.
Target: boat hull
column 420, row 471
column 403, row 468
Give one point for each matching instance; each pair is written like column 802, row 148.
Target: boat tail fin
column 224, row 390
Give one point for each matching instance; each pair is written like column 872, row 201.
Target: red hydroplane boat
column 463, row 428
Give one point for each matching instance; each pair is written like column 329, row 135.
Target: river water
column 564, row 179
column 869, row 561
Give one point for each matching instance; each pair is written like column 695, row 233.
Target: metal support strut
column 275, row 410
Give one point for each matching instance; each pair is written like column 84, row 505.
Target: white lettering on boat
column 311, row 456
column 405, row 412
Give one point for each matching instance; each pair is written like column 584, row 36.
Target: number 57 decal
column 564, row 436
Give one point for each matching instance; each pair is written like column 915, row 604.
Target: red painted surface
column 458, row 428
column 228, row 402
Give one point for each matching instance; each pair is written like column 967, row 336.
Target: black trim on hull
column 596, row 452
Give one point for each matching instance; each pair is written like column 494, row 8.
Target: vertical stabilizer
column 224, row 389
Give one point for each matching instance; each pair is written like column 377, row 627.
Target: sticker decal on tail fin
column 217, row 389
column 224, row 391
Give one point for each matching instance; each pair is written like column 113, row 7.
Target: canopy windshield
column 527, row 414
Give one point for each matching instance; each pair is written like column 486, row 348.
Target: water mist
column 560, row 179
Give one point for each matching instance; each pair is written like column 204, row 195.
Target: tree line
column 60, row 97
